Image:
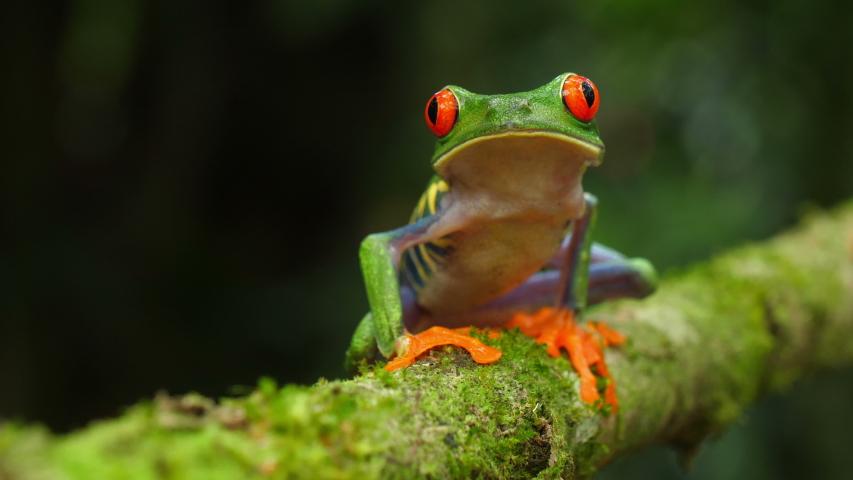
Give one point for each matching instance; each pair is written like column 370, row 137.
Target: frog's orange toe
column 438, row 336
column 610, row 336
column 557, row 329
column 402, row 361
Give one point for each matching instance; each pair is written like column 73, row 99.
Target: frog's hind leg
column 620, row 278
column 608, row 280
column 611, row 274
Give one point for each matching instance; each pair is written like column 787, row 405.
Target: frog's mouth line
column 590, row 153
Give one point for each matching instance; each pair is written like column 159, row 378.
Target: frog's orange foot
column 438, row 336
column 557, row 329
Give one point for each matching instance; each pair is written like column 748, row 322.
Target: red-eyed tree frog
column 501, row 237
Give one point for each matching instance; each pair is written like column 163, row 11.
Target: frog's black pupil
column 432, row 110
column 588, row 94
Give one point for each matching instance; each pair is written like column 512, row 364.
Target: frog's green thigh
column 362, row 346
column 380, row 259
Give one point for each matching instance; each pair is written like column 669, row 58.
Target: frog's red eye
column 441, row 112
column 581, row 97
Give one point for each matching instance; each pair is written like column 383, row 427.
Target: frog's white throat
column 523, row 175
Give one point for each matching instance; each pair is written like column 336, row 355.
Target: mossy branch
column 711, row 341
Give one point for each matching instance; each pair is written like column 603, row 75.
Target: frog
column 501, row 238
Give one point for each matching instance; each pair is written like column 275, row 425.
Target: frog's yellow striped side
column 421, row 261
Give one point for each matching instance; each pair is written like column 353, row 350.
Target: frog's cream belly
column 510, row 197
column 487, row 262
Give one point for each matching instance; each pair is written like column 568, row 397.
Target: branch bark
column 712, row 340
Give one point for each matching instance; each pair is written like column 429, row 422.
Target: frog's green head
column 554, row 122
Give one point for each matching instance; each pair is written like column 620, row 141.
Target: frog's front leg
column 558, row 328
column 380, row 260
column 363, row 345
column 380, row 255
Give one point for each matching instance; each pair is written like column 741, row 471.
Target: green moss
column 714, row 338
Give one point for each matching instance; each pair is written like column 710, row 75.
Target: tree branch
column 712, row 340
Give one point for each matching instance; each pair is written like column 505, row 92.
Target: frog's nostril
column 510, row 125
column 522, row 104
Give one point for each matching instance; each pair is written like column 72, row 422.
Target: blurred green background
column 184, row 185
